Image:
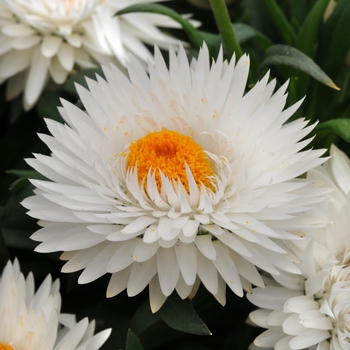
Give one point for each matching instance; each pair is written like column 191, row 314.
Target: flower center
column 5, row 347
column 168, row 151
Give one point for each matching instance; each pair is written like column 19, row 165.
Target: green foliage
column 290, row 56
column 180, row 315
column 340, row 127
column 284, row 27
column 245, row 33
column 132, row 341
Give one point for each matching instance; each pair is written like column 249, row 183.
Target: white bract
column 175, row 178
column 43, row 40
column 313, row 312
column 32, row 320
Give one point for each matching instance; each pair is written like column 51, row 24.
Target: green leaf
column 27, row 173
column 19, row 184
column 298, row 11
column 132, row 341
column 23, row 176
column 180, row 315
column 307, row 36
column 290, row 56
column 284, row 27
column 47, row 107
column 340, row 127
column 195, row 36
column 335, row 38
column 80, row 79
column 144, row 318
column 244, row 33
column 151, row 329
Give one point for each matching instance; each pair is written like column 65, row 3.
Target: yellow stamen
column 5, row 347
column 168, row 151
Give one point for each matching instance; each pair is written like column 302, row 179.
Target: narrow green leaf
column 290, row 56
column 284, row 27
column 307, row 40
column 79, row 79
column 180, row 315
column 244, row 33
column 298, row 11
column 194, row 35
column 340, row 127
column 132, row 341
column 307, row 36
column 19, row 184
column 23, row 176
column 26, row 173
column 335, row 38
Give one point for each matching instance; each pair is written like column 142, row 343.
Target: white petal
column 37, row 77
column 156, row 296
column 141, row 275
column 308, row 338
column 118, row 282
column 227, row 268
column 123, row 256
column 205, row 245
column 168, row 270
column 50, row 45
column 15, row 62
column 269, row 338
column 271, row 297
column 187, row 260
column 190, row 228
column 144, row 251
column 25, row 43
column 65, row 56
column 57, row 72
column 207, row 273
column 18, row 30
column 259, row 317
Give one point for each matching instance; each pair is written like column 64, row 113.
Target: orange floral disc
column 168, row 151
column 5, row 347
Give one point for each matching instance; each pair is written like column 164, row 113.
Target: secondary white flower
column 46, row 39
column 32, row 321
column 175, row 178
column 314, row 312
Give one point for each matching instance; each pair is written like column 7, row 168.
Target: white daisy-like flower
column 32, row 320
column 43, row 40
column 313, row 312
column 175, row 178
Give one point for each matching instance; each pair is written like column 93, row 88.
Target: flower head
column 33, row 321
column 44, row 40
column 175, row 178
column 315, row 311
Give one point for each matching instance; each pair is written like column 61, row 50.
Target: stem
column 224, row 24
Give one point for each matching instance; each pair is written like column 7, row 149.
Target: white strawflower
column 32, row 320
column 48, row 39
column 314, row 312
column 175, row 178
